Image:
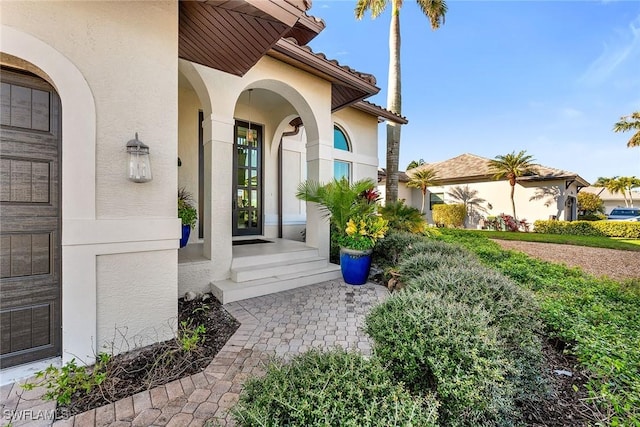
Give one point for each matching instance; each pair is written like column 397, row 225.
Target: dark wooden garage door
column 29, row 219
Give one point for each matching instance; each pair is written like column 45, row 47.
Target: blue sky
column 548, row 77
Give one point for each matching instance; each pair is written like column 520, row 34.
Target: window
column 435, row 199
column 340, row 140
column 342, row 170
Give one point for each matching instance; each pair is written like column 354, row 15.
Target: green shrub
column 335, row 388
column 402, row 217
column 626, row 229
column 449, row 215
column 416, row 264
column 598, row 318
column 592, row 217
column 431, row 343
column 388, row 251
column 576, row 228
column 512, row 309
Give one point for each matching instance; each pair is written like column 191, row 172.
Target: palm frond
column 435, row 10
column 375, row 6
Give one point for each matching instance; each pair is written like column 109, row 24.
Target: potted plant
column 352, row 211
column 187, row 213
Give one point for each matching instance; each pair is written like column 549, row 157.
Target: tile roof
column 382, row 112
column 470, row 167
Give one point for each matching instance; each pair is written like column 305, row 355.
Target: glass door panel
column 247, row 191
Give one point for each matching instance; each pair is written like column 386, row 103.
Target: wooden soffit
column 232, row 35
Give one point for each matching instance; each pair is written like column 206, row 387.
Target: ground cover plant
column 566, row 239
column 204, row 328
column 597, row 318
column 459, row 330
column 334, row 388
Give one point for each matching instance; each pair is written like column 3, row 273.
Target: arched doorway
column 30, row 219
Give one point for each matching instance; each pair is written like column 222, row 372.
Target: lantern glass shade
column 139, row 165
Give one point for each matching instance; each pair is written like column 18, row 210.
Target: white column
column 218, row 165
column 320, row 169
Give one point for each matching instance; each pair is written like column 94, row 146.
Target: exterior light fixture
column 139, row 164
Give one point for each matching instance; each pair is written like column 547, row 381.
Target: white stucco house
column 227, row 89
column 551, row 193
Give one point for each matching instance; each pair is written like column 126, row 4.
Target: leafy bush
column 333, row 388
column 590, row 203
column 577, row 228
column 402, row 217
column 592, row 217
column 449, row 215
column 388, row 251
column 432, row 343
column 511, row 308
column 627, row 229
column 64, row 382
column 598, row 318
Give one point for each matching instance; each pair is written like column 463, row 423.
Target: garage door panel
column 30, row 248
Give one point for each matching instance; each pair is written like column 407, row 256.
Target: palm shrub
column 334, row 388
column 435, row 344
column 402, row 217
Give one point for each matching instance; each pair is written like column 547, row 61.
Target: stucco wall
column 133, row 304
column 114, row 66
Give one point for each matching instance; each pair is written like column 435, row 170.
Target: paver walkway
column 285, row 324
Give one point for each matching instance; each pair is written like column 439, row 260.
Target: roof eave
column 380, row 112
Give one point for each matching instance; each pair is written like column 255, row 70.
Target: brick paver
column 283, row 325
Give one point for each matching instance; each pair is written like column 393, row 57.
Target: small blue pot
column 355, row 265
column 186, row 232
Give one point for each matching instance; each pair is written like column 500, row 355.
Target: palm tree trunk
column 424, row 194
column 394, row 104
column 630, row 197
column 513, row 202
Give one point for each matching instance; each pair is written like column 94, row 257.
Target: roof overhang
column 381, row 113
column 232, row 35
column 347, row 85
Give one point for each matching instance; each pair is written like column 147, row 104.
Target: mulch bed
column 161, row 363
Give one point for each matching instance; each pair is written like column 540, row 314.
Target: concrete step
column 290, row 266
column 229, row 291
column 251, row 260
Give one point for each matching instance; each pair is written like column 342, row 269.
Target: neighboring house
column 229, row 91
column 611, row 200
column 551, row 193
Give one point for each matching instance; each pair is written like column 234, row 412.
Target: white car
column 624, row 213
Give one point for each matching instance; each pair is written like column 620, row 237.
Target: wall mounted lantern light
column 139, row 164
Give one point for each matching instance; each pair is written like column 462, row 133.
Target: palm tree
column 614, row 186
column 469, row 198
column 422, row 179
column 435, row 10
column 511, row 166
column 627, row 123
column 415, row 163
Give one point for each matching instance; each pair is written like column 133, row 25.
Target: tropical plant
column 620, row 184
column 402, row 217
column 363, row 231
column 339, row 199
column 415, row 163
column 511, row 166
column 469, row 198
column 187, row 211
column 590, row 204
column 435, row 10
column 422, row 179
column 630, row 123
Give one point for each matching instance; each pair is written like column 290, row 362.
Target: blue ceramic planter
column 355, row 265
column 186, row 231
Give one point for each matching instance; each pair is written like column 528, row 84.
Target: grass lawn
column 593, row 241
column 598, row 318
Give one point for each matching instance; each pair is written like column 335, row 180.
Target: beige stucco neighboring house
column 227, row 90
column 550, row 193
column 612, row 200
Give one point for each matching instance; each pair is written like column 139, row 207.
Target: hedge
column 626, row 229
column 449, row 215
column 334, row 388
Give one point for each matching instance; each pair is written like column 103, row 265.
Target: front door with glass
column 247, row 180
